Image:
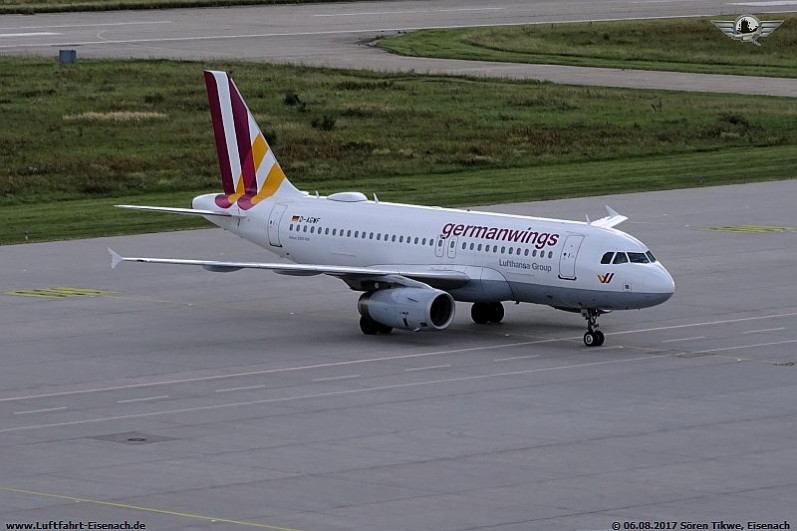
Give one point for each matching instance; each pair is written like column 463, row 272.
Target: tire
column 479, row 312
column 590, row 339
column 383, row 329
column 600, row 338
column 369, row 327
column 496, row 314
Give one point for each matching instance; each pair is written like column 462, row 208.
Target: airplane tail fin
column 250, row 172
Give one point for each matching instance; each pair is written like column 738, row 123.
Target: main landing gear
column 487, row 312
column 593, row 337
column 371, row 327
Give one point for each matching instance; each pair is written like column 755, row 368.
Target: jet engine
column 416, row 309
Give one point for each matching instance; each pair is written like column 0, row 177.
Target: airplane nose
column 660, row 285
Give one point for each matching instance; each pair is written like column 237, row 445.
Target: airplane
column 413, row 262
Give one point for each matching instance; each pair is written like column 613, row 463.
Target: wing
column 359, row 278
column 609, row 221
column 768, row 26
column 725, row 26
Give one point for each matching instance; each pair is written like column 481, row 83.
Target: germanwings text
column 536, row 238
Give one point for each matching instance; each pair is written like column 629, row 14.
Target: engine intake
column 417, row 309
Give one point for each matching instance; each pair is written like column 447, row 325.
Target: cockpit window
column 650, row 256
column 620, row 258
column 638, row 258
column 607, row 258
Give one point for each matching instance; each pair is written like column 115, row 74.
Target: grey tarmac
column 336, row 35
column 186, row 399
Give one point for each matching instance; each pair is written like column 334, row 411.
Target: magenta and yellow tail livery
column 249, row 171
column 413, row 262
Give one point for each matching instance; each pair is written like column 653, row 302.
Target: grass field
column 29, row 7
column 77, row 139
column 681, row 45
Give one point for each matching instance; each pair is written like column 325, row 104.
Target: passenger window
column 290, row 227
column 550, row 254
column 650, row 256
column 479, row 247
column 378, row 235
column 534, row 252
column 495, row 248
column 334, row 232
column 503, row 249
column 423, row 242
column 637, row 258
column 464, row 245
column 401, row 239
column 363, row 235
column 326, row 231
column 526, row 252
column 356, row 234
column 416, row 240
column 472, row 245
column 620, row 258
column 348, row 234
column 393, row 238
column 371, row 236
column 304, row 229
column 607, row 258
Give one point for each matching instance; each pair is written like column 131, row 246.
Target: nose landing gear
column 593, row 337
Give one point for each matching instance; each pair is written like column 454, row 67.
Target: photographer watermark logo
column 747, row 28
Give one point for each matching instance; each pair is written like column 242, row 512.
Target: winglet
column 115, row 258
column 611, row 220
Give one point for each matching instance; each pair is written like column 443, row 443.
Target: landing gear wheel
column 496, row 314
column 593, row 337
column 383, row 329
column 599, row 337
column 487, row 312
column 369, row 327
column 480, row 312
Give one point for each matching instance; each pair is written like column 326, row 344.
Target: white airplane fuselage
column 507, row 257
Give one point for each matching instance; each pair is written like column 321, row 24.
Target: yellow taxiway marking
column 59, row 292
column 752, row 228
column 150, row 509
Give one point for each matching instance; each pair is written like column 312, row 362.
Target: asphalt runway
column 334, row 35
column 185, row 399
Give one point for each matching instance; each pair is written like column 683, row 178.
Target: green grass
column 29, row 7
column 682, row 45
column 425, row 139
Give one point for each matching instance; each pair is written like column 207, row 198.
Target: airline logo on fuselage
column 536, row 238
column 605, row 278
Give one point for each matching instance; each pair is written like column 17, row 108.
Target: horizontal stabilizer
column 187, row 211
column 609, row 221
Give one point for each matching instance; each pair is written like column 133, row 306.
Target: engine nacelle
column 416, row 309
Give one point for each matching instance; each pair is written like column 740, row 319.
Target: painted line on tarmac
column 143, row 508
column 146, row 399
column 764, row 330
column 415, row 12
column 37, row 34
column 334, row 394
column 143, row 22
column 45, row 410
column 774, row 343
column 683, row 339
column 285, row 369
column 429, row 368
column 335, row 378
column 331, row 32
column 385, row 358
